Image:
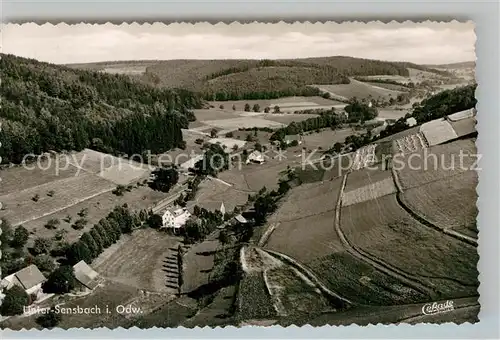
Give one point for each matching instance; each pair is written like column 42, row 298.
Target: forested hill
column 236, row 79
column 50, row 107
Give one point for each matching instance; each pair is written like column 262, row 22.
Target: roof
column 85, row 274
column 240, row 218
column 411, row 121
column 30, row 276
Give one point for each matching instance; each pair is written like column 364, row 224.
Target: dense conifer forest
column 50, row 107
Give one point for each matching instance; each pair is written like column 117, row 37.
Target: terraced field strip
column 342, row 301
column 384, row 267
column 455, row 234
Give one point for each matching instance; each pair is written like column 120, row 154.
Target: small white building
column 87, row 276
column 176, row 219
column 255, row 157
column 290, row 138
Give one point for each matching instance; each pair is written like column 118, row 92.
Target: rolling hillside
column 254, row 79
column 50, row 107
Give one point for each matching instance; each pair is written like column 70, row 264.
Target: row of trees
column 48, row 107
column 328, row 119
column 304, row 91
column 106, row 232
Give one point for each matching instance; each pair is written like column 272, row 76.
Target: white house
column 255, row 157
column 176, row 219
column 290, row 138
column 29, row 278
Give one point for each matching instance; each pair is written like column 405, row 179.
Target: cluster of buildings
column 31, row 279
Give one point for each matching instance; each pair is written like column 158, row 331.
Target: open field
column 217, row 313
column 435, row 163
column 283, row 103
column 392, row 87
column 21, row 208
column 198, row 262
column 391, row 114
column 361, row 178
column 241, row 122
column 438, row 131
column 98, row 207
column 171, row 314
column 140, row 261
column 465, row 126
column 306, row 238
column 399, row 79
column 287, row 118
column 410, row 131
column 326, row 138
column 447, row 203
column 461, row 115
column 364, row 157
column 254, row 299
column 20, row 178
column 385, row 231
column 359, row 90
column 418, row 76
column 360, row 282
column 216, row 191
column 307, row 200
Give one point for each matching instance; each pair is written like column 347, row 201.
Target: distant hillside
column 255, row 79
column 50, row 107
column 461, row 65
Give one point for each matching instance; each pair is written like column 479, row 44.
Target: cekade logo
column 436, row 308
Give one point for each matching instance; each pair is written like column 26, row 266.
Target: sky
column 422, row 43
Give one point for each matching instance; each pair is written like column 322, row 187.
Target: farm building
column 290, row 138
column 176, row 219
column 85, row 275
column 255, row 157
column 29, row 278
column 411, row 121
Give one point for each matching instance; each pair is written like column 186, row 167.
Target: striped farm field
column 361, row 178
column 435, row 163
column 464, row 127
column 385, row 231
column 21, row 206
column 438, row 131
column 447, row 203
column 364, row 156
column 411, row 143
column 461, row 115
column 369, row 192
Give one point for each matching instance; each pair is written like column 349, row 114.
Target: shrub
column 79, row 224
column 67, row 219
column 119, row 190
column 14, row 301
column 83, row 213
column 45, row 263
column 52, row 223
column 50, row 319
column 51, row 193
column 247, row 107
column 256, row 108
column 42, row 246
column 230, row 134
column 221, row 107
column 267, row 109
column 36, row 198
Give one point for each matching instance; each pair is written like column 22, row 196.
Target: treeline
column 105, row 233
column 385, row 81
column 241, row 94
column 329, row 119
column 50, row 107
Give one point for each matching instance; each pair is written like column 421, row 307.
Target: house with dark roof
column 29, row 278
column 84, row 274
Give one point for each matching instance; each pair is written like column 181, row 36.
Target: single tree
column 247, row 107
column 20, row 237
column 52, row 223
column 14, row 301
column 213, row 133
column 155, row 221
column 267, row 109
column 62, row 280
column 42, row 246
column 276, row 109
column 256, row 108
column 234, row 107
